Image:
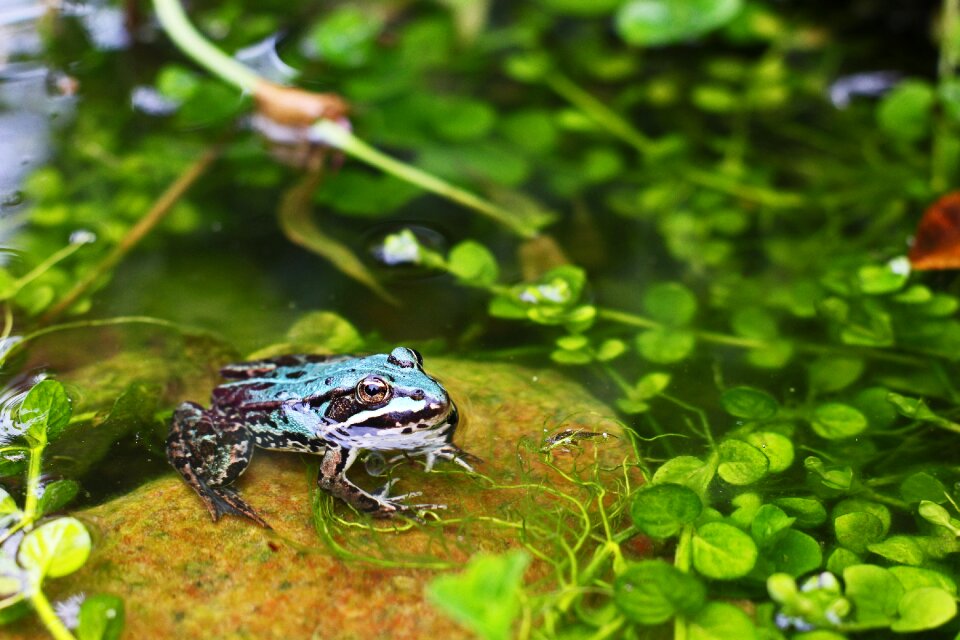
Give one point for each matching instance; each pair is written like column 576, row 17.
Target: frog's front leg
column 211, row 450
column 333, row 479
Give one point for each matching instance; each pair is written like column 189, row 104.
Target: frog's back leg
column 211, row 450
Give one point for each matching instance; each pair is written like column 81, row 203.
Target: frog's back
column 266, row 384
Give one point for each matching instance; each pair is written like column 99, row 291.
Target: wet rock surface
column 182, row 576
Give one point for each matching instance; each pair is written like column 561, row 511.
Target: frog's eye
column 416, row 354
column 373, row 390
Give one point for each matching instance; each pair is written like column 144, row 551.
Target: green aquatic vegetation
column 728, row 274
column 43, row 546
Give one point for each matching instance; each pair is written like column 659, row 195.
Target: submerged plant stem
column 161, row 207
column 190, row 41
column 49, row 617
column 339, row 137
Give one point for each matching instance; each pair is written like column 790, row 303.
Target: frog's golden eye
column 373, row 390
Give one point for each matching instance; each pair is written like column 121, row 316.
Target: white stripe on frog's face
column 401, row 406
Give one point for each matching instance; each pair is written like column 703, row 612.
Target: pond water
column 704, row 221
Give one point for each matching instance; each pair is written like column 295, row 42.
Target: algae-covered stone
column 182, row 576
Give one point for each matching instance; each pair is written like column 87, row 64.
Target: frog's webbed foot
column 210, row 451
column 333, row 480
column 453, row 453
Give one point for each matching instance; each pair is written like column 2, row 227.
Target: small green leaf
column 723, row 552
column 925, row 608
column 883, row 279
column 796, row 553
column 55, row 548
column 741, row 463
column 101, row 618
column 610, row 349
column 664, row 345
column 749, row 403
column 56, row 495
column 485, row 597
column 852, row 505
column 45, row 411
column 857, row 530
column 842, row 558
column 776, row 447
column 900, row 549
column 346, row 37
column 833, row 477
column 835, row 421
column 915, row 577
column 473, row 264
column 652, row 384
column 769, row 525
column 935, row 514
column 652, row 592
column 326, row 330
column 720, row 621
column 7, row 504
column 834, row 373
column 670, row 303
column 661, row 510
column 689, row 471
column 875, row 593
column 754, row 322
column 923, row 486
column 905, row 112
column 653, row 23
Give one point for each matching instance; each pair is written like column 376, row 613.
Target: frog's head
column 394, row 405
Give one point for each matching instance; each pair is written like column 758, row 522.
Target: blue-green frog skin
column 335, row 406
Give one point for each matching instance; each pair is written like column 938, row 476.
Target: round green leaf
column 741, row 463
column 723, row 552
column 749, row 403
column 829, row 374
column 55, row 548
column 661, row 510
column 720, row 621
column 664, row 345
column 923, row 486
column 857, row 530
column 45, row 410
column 882, row 279
column 101, row 618
column 769, row 525
column 842, row 558
column 905, row 112
column 689, row 471
column 473, row 264
column 652, row 23
column 809, row 512
column 900, row 549
column 670, row 303
column 875, row 593
column 915, row 577
column 653, row 591
column 925, row 608
column 853, row 505
column 776, row 447
column 835, row 421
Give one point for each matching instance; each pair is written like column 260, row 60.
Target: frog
column 334, row 406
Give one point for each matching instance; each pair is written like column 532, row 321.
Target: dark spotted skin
column 334, row 406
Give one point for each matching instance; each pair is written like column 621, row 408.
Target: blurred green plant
column 35, row 545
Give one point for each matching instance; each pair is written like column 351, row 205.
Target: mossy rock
column 182, row 576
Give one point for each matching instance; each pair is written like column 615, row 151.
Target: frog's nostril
column 418, row 394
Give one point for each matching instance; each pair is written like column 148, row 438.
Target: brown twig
column 161, row 207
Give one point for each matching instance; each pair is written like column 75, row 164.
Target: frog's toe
column 223, row 501
column 452, row 453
